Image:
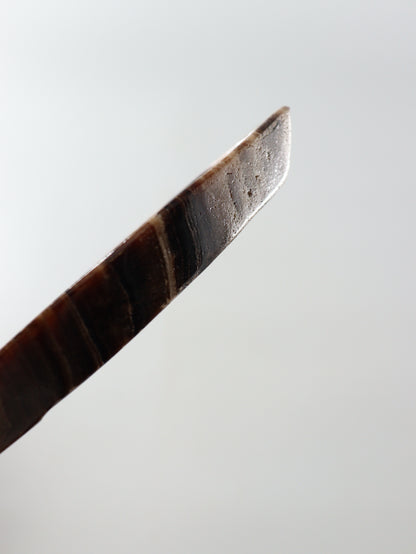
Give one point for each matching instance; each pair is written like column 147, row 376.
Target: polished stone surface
column 103, row 311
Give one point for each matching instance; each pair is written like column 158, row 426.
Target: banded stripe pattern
column 103, row 311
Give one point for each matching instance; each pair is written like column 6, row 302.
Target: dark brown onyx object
column 103, row 311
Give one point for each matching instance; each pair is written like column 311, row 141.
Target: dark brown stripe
column 140, row 268
column 158, row 224
column 75, row 345
column 43, row 363
column 190, row 221
column 182, row 241
column 5, row 425
column 105, row 310
column 62, row 364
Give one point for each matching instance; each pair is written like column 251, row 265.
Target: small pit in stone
column 250, row 193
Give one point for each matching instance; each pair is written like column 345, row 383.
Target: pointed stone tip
column 281, row 114
column 276, row 132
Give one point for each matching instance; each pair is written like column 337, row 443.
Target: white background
column 271, row 408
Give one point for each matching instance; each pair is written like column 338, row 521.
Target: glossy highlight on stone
column 97, row 316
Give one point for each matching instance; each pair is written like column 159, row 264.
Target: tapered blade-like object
column 103, row 311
